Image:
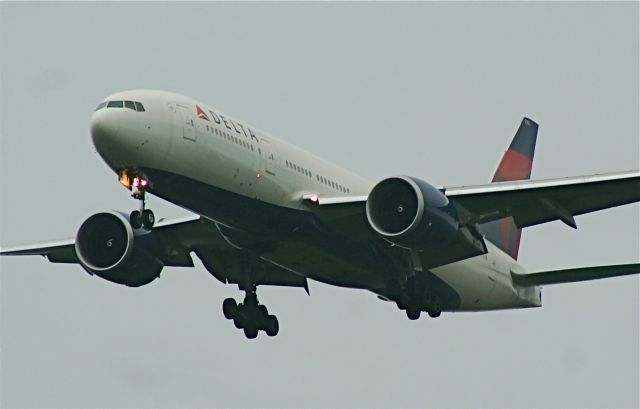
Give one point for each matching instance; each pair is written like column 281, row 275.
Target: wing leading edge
column 61, row 251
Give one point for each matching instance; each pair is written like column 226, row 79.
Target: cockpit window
column 133, row 105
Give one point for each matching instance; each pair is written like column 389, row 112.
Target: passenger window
column 130, row 105
column 101, row 105
column 115, row 104
column 139, row 107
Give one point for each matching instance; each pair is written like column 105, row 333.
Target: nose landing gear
column 250, row 315
column 143, row 217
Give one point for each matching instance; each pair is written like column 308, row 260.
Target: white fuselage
column 182, row 136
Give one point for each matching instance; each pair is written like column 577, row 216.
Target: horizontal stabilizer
column 573, row 275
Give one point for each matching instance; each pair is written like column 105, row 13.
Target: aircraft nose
column 105, row 125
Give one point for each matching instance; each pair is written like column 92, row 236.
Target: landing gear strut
column 250, row 315
column 143, row 217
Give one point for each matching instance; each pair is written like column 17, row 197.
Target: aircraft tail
column 515, row 164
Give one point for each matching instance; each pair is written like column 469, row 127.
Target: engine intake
column 103, row 241
column 411, row 213
column 108, row 247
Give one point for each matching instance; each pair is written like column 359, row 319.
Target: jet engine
column 410, row 213
column 107, row 246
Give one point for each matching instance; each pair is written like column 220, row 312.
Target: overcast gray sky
column 433, row 90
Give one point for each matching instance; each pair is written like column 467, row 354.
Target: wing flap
column 573, row 275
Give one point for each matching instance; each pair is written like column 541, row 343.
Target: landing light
column 128, row 181
column 313, row 198
column 124, row 179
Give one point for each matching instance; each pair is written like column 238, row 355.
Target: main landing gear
column 250, row 315
column 414, row 298
column 143, row 217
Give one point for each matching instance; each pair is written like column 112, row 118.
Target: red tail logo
column 201, row 113
column 515, row 165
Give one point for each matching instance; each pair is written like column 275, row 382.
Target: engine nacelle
column 107, row 246
column 411, row 213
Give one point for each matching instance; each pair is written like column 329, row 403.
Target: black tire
column 148, row 219
column 435, row 309
column 262, row 312
column 250, row 331
column 271, row 326
column 135, row 219
column 403, row 303
column 229, row 308
column 413, row 313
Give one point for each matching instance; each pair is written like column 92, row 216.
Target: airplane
column 265, row 212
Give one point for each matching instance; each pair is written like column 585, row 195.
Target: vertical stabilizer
column 515, row 164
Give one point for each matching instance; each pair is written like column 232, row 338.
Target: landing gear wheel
column 148, row 218
column 435, row 309
column 135, row 218
column 230, row 308
column 413, row 313
column 271, row 326
column 262, row 312
column 250, row 331
column 250, row 316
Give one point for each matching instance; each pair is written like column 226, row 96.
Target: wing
column 61, row 251
column 534, row 202
column 178, row 238
column 529, row 202
column 574, row 275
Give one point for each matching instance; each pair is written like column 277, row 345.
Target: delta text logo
column 228, row 123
